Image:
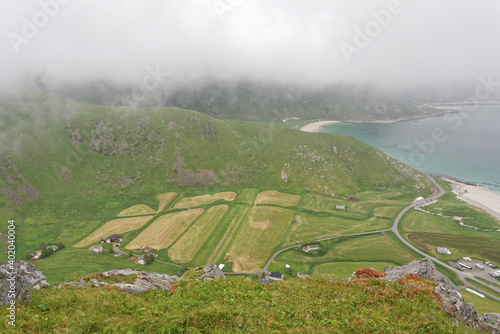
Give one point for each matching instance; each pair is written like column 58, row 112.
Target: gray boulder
column 453, row 302
column 18, row 281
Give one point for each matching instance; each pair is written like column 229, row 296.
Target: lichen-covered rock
column 453, row 302
column 18, row 281
column 210, row 271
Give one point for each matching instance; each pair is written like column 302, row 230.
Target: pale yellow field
column 118, row 226
column 277, row 198
column 165, row 230
column 136, row 210
column 164, row 199
column 257, row 236
column 186, row 247
column 190, row 202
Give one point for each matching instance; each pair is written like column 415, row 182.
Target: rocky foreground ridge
column 28, row 277
column 453, row 302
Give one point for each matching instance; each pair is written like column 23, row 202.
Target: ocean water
column 464, row 145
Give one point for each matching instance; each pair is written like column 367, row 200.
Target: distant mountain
column 247, row 99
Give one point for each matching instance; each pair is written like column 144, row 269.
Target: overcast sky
column 425, row 41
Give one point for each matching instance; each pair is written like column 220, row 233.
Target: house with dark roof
column 114, row 237
column 276, row 276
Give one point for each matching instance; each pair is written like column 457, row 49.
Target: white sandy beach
column 316, row 126
column 478, row 196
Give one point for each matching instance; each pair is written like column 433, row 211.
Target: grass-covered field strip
column 341, row 271
column 165, row 229
column 480, row 248
column 118, row 226
column 277, row 198
column 258, row 236
column 367, row 248
column 191, row 202
column 217, row 244
column 184, row 249
column 449, row 205
column 421, row 222
column 482, row 305
column 485, row 288
column 137, row 210
column 165, row 199
column 247, row 195
column 310, row 227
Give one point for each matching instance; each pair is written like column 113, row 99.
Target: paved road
column 461, row 275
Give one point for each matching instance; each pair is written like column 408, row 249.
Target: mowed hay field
column 308, row 227
column 118, row 226
column 190, row 202
column 137, row 210
column 185, row 248
column 165, row 230
column 258, row 235
column 164, row 199
column 277, row 198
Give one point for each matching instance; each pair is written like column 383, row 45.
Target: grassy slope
column 234, row 305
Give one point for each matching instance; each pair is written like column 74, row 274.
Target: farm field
column 308, row 227
column 480, row 248
column 341, row 271
column 373, row 247
column 165, row 229
column 247, row 195
column 277, row 198
column 184, row 249
column 421, row 222
column 165, row 199
column 190, row 202
column 215, row 249
column 120, row 225
column 137, row 210
column 258, row 236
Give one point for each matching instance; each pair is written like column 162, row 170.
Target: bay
column 463, row 145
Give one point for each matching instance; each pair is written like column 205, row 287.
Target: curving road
column 461, row 275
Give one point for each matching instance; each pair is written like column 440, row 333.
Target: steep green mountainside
column 239, row 305
column 253, row 100
column 60, row 146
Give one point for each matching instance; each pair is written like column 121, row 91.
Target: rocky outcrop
column 453, row 302
column 137, row 281
column 210, row 271
column 18, row 280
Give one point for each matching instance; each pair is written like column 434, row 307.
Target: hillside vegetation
column 239, row 305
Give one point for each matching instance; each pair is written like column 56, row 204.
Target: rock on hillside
column 26, row 278
column 140, row 281
column 453, row 302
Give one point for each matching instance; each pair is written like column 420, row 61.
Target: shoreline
column 476, row 195
column 316, row 126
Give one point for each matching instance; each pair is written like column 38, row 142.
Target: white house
column 442, row 250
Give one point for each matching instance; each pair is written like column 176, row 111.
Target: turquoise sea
column 463, row 145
